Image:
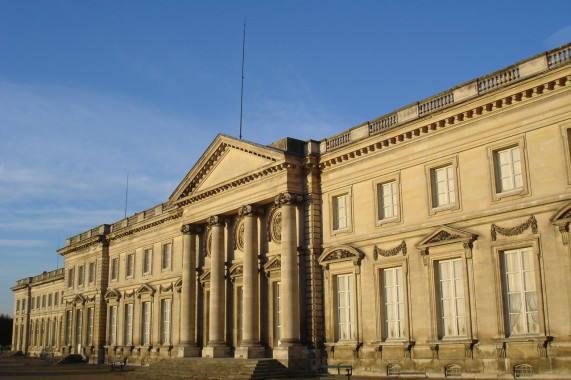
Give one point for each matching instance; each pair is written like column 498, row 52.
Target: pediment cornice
column 562, row 219
column 145, row 289
column 190, row 189
column 112, row 294
column 340, row 253
column 444, row 235
column 99, row 239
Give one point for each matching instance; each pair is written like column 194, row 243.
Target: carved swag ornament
column 389, row 252
column 514, row 231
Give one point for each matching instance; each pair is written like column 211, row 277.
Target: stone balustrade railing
column 542, row 62
column 57, row 273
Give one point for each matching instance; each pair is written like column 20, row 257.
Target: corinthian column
column 216, row 345
column 250, row 346
column 290, row 351
column 187, row 346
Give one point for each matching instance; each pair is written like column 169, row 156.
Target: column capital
column 193, row 229
column 287, row 199
column 247, row 210
column 216, row 220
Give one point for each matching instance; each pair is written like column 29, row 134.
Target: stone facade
column 434, row 239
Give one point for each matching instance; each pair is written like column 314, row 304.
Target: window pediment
column 273, row 266
column 205, row 278
column 145, row 289
column 342, row 253
column 112, row 294
column 561, row 219
column 178, row 285
column 236, row 271
column 444, row 235
column 78, row 299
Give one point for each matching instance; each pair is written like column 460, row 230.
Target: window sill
column 509, row 194
column 448, row 207
column 382, row 222
column 453, row 340
column 524, row 338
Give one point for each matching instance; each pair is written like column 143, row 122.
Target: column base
column 250, row 352
column 216, row 352
column 293, row 357
column 188, row 351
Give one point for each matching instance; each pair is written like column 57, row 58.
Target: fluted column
column 216, row 345
column 188, row 300
column 289, row 302
column 250, row 346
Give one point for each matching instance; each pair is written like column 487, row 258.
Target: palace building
column 434, row 239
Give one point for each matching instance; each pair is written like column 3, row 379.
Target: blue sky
column 93, row 90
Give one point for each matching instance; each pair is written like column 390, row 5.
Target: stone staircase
column 215, row 369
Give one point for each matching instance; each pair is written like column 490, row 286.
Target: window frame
column 163, row 255
column 71, row 277
column 454, row 291
column 146, row 320
column 166, row 325
column 130, row 266
column 493, row 150
column 430, row 170
column 81, row 275
column 377, row 186
column 333, row 196
column 114, row 269
column 129, row 319
column 112, row 325
column 150, row 261
column 379, row 272
column 498, row 249
column 566, row 137
column 92, row 275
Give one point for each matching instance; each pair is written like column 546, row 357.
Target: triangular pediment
column 145, row 289
column 227, row 162
column 446, row 235
column 78, row 299
column 275, row 263
column 112, row 294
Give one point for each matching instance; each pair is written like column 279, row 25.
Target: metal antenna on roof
column 242, row 88
column 126, row 194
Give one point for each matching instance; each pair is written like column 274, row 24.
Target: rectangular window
column 56, row 299
column 44, row 301
column 114, row 269
column 90, row 317
column 69, row 321
column 79, row 326
column 17, row 306
column 130, row 265
column 129, row 324
column 166, row 321
column 70, row 277
column 91, row 273
column 54, row 332
column 508, row 169
column 277, row 313
column 341, row 211
column 167, row 251
column 32, row 304
column 49, row 300
column 147, row 261
column 393, row 297
column 146, row 323
column 345, row 307
column 443, row 187
column 388, row 207
column 80, row 275
column 113, row 325
column 451, row 292
column 520, row 292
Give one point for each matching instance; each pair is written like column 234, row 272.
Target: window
column 508, row 169
column 388, row 206
column 129, row 324
column 520, row 292
column 69, row 321
column 147, row 261
column 167, row 251
column 56, row 299
column 90, row 316
column 44, row 301
column 80, row 275
column 443, row 186
column 566, row 137
column 451, row 294
column 70, row 277
column 113, row 325
column 130, row 265
column 17, row 306
column 32, row 304
column 166, row 321
column 54, row 332
column 79, row 326
column 146, row 323
column 114, row 269
column 50, row 300
column 345, row 307
column 341, row 212
column 92, row 273
column 393, row 303
column 277, row 312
